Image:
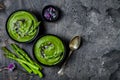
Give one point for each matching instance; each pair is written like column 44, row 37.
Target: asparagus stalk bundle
column 23, row 59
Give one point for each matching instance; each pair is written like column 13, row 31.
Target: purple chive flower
column 47, row 15
column 11, row 66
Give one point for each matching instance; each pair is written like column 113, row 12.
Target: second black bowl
column 49, row 50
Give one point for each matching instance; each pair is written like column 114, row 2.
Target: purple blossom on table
column 11, row 67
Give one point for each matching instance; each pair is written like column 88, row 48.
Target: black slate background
column 97, row 21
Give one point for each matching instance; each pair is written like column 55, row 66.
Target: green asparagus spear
column 30, row 27
column 34, row 27
column 21, row 60
column 21, row 56
column 34, row 67
column 23, row 53
column 18, row 53
column 40, row 74
column 27, row 63
column 12, row 55
column 25, row 67
column 37, row 25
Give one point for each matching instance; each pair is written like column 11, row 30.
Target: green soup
column 22, row 26
column 49, row 50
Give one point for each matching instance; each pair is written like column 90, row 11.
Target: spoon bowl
column 75, row 43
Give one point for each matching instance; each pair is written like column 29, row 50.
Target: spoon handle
column 60, row 72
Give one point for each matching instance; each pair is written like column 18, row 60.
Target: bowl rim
column 56, row 8
column 57, row 64
column 32, row 15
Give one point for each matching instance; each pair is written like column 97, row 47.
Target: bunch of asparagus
column 23, row 59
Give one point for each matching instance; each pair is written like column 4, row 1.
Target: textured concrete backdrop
column 97, row 21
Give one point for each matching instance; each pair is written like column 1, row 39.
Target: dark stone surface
column 97, row 21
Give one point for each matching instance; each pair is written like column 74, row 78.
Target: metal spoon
column 73, row 45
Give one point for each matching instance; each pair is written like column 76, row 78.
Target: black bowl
column 16, row 40
column 64, row 55
column 56, row 12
